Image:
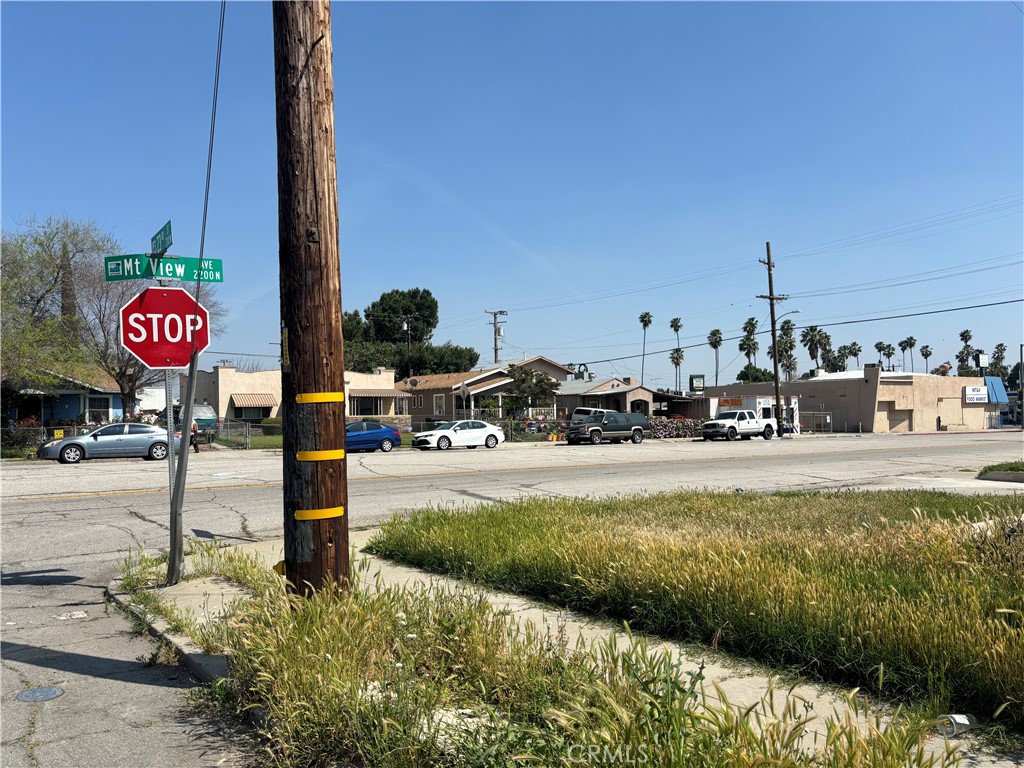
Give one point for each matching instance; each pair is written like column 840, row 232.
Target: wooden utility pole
column 772, row 298
column 312, row 347
column 497, row 328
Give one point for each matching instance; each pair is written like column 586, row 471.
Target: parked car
column 469, row 434
column 111, row 441
column 609, row 425
column 371, row 436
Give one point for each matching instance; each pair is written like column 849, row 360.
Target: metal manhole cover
column 40, row 694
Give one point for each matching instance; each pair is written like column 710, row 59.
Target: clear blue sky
column 575, row 164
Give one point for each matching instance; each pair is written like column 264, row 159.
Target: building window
column 98, row 410
column 365, row 406
column 400, row 407
column 252, row 414
column 439, row 405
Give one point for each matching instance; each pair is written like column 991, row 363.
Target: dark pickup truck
column 609, row 425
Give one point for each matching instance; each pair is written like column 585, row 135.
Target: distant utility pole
column 312, row 345
column 772, row 299
column 407, row 327
column 497, row 328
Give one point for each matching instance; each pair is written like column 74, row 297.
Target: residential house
column 79, row 393
column 615, row 394
column 446, row 396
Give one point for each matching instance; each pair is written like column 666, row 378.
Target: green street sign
column 161, row 241
column 147, row 266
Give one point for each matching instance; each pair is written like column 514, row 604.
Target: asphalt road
column 65, row 529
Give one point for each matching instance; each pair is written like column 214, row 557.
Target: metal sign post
column 170, row 431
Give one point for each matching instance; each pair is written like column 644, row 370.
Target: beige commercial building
column 873, row 400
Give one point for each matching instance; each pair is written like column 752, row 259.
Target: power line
column 799, row 327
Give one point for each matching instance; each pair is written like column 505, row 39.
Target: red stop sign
column 162, row 326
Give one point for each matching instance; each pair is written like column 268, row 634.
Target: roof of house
column 583, row 386
column 84, row 375
column 442, row 380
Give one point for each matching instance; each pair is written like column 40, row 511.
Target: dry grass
column 889, row 590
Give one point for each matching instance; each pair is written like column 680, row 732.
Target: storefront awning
column 254, row 400
column 378, row 393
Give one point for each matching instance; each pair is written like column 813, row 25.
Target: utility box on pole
column 312, row 348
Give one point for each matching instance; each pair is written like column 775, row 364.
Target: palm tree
column 789, row 364
column 750, row 329
column 908, row 343
column 842, row 355
column 676, row 324
column 963, row 357
column 880, row 349
column 676, row 358
column 809, row 338
column 748, row 346
column 715, row 342
column 854, row 349
column 926, row 352
column 646, row 318
column 889, row 351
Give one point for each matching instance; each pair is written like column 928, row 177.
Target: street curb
column 206, row 667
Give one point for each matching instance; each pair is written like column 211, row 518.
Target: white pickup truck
column 733, row 424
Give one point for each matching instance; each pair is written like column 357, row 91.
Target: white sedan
column 468, row 434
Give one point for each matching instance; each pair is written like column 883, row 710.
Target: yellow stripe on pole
column 321, row 397
column 320, row 455
column 319, row 514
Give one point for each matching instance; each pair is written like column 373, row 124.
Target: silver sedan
column 111, row 441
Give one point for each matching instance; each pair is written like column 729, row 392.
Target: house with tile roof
column 479, row 394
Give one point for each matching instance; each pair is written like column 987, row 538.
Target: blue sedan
column 111, row 441
column 370, row 435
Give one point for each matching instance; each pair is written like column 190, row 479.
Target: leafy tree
column 676, row 357
column 385, row 316
column 529, row 388
column 353, row 327
column 752, row 374
column 926, row 352
column 646, row 318
column 810, row 339
column 715, row 342
column 59, row 307
column 676, row 324
column 447, row 358
column 1013, row 379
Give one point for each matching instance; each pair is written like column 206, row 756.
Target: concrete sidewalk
column 207, row 599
